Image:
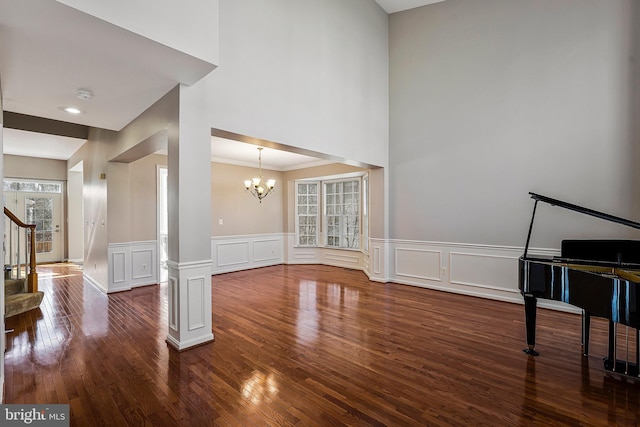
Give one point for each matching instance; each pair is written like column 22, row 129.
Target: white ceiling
column 49, row 50
column 242, row 154
column 33, row 144
column 392, row 6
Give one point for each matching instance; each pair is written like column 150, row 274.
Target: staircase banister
column 32, row 278
column 15, row 219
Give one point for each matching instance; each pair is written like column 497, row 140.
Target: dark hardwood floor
column 308, row 346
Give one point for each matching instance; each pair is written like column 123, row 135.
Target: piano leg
column 611, row 361
column 621, row 367
column 530, row 305
column 586, row 327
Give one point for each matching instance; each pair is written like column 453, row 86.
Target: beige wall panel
column 144, row 199
column 34, row 168
column 240, row 212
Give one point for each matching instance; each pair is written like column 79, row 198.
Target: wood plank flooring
column 308, row 346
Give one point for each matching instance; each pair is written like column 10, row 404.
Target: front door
column 44, row 210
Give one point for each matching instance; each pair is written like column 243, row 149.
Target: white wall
column 75, row 215
column 94, row 154
column 190, row 27
column 492, row 99
column 310, row 74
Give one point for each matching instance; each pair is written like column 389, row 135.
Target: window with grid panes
column 342, row 214
column 307, row 213
column 365, row 213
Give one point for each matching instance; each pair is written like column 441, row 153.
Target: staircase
column 17, row 300
column 20, row 277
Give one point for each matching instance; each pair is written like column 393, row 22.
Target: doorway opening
column 40, row 203
column 163, row 224
column 75, row 215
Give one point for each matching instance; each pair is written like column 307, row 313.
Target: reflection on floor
column 307, row 345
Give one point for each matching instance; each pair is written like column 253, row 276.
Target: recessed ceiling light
column 72, row 110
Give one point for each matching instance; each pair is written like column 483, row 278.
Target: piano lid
column 576, row 208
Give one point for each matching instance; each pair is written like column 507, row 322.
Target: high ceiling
column 50, row 51
column 392, row 6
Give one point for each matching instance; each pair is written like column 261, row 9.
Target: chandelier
column 257, row 186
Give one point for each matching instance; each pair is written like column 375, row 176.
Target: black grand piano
column 600, row 276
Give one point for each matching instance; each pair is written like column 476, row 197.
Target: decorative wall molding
column 196, row 296
column 478, row 270
column 348, row 258
column 235, row 253
column 418, row 263
column 379, row 271
column 189, row 303
column 132, row 264
column 486, row 271
column 174, row 296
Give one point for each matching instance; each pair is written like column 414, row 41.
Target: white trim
column 438, row 276
column 235, row 253
column 196, row 296
column 513, row 259
column 159, row 197
column 127, row 270
column 189, row 264
column 189, row 303
column 183, row 345
column 478, row 270
column 488, row 271
column 173, row 295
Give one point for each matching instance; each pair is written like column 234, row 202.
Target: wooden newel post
column 32, row 277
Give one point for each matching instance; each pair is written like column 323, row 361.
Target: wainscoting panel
column 485, row 271
column 377, row 260
column 235, row 253
column 131, row 264
column 480, row 270
column 418, row 263
column 267, row 250
column 353, row 259
column 118, row 267
column 141, row 261
column 306, row 257
column 174, row 303
column 190, row 303
column 196, row 299
column 232, row 253
column 326, row 256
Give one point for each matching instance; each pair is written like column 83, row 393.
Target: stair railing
column 29, row 251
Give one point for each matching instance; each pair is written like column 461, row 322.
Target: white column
column 189, row 197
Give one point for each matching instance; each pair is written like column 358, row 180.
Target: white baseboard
column 93, row 282
column 485, row 271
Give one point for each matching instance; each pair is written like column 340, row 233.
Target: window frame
column 364, row 214
column 325, row 214
column 317, row 215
